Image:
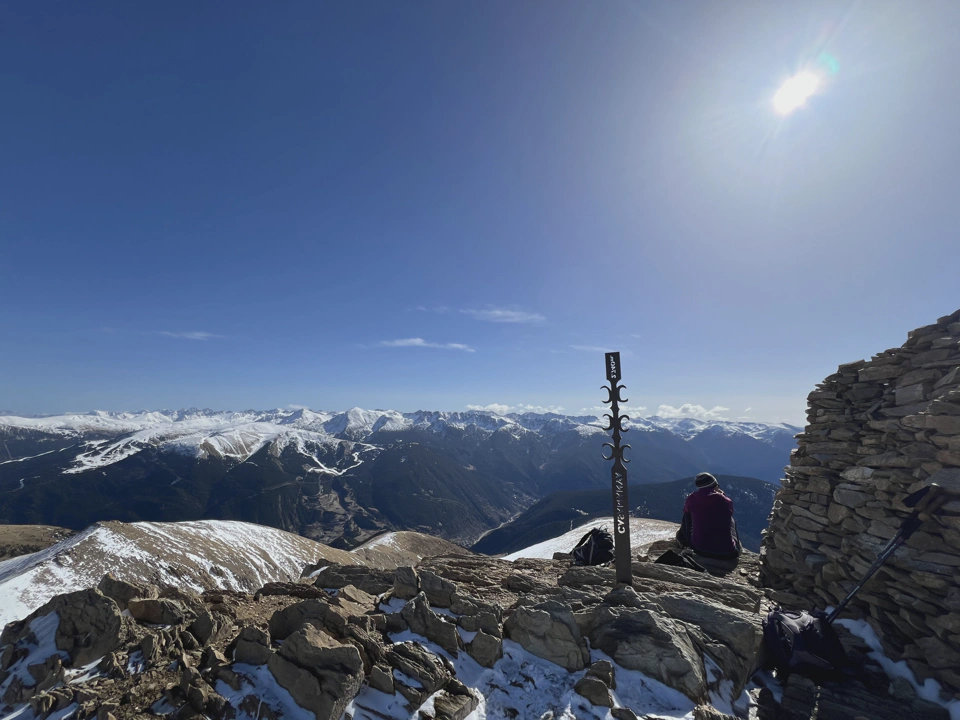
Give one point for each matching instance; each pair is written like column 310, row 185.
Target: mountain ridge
column 341, row 478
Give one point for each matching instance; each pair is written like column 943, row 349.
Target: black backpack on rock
column 803, row 643
column 594, row 548
column 680, row 559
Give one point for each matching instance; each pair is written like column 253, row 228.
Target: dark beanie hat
column 705, row 480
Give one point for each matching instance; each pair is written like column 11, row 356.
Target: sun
column 794, row 92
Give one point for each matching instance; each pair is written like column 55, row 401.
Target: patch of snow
column 388, row 539
column 523, row 685
column 259, row 681
column 929, row 690
column 44, row 631
column 394, row 605
column 317, row 571
column 643, row 531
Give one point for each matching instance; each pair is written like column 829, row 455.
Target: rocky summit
column 452, row 637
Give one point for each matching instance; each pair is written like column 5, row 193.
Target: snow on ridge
column 643, row 531
column 239, row 434
column 199, row 555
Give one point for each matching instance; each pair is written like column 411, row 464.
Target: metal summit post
column 618, row 473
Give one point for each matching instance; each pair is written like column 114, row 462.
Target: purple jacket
column 711, row 513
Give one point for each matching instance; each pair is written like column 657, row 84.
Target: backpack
column 803, row 643
column 679, row 559
column 594, row 548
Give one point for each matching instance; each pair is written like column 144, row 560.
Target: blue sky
column 433, row 205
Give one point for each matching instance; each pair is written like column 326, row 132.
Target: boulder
column 210, row 627
column 735, row 631
column 252, row 646
column 549, row 630
column 455, row 702
column 415, row 661
column 381, row 678
column 341, row 614
column 652, row 643
column 157, row 611
column 594, row 690
column 321, row 675
column 708, row 712
column 485, row 649
column 406, row 583
column 438, row 590
column 90, row 626
column 370, row 580
column 291, row 618
column 122, row 592
column 358, row 597
column 370, row 645
column 423, row 621
column 603, row 670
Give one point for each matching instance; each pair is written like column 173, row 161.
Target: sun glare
column 794, row 92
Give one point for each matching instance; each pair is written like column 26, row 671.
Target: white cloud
column 501, row 409
column 599, row 349
column 495, row 408
column 747, row 409
column 692, row 411
column 599, row 410
column 193, row 335
column 420, row 342
column 558, row 409
column 504, row 315
column 590, row 348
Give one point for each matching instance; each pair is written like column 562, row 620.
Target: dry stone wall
column 878, row 430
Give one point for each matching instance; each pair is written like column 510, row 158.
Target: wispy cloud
column 489, row 313
column 420, row 342
column 495, row 408
column 634, row 411
column 598, row 349
column 501, row 409
column 693, row 411
column 191, row 335
column 503, row 315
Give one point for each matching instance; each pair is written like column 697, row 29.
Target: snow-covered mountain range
column 342, row 476
column 210, row 433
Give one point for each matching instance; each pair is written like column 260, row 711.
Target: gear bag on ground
column 594, row 548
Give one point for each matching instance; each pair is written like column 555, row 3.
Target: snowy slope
column 198, row 555
column 643, row 531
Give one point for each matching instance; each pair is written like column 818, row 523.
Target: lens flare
column 794, row 92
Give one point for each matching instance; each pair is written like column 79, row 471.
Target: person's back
column 708, row 525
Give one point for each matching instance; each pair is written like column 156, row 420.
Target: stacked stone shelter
column 879, row 430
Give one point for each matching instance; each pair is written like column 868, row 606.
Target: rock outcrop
column 878, row 430
column 549, row 630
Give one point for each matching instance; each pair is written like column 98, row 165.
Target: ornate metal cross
column 621, row 505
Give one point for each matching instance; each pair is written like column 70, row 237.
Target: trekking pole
column 925, row 502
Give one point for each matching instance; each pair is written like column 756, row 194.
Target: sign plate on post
column 618, row 473
column 613, row 366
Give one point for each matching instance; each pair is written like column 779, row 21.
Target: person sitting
column 708, row 527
